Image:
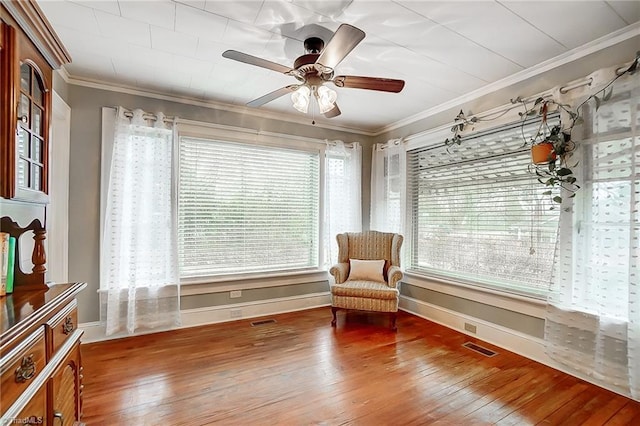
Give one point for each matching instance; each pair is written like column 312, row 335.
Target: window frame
column 429, row 140
column 224, row 133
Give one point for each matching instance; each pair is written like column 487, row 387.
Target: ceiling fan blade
column 254, row 60
column 272, row 96
column 369, row 83
column 333, row 112
column 343, row 41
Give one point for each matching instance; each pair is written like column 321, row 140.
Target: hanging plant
column 552, row 167
column 543, row 153
column 551, row 146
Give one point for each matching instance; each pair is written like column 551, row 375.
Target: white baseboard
column 514, row 341
column 511, row 340
column 217, row 314
column 95, row 332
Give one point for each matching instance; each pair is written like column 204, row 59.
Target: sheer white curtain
column 343, row 194
column 593, row 319
column 139, row 281
column 388, row 184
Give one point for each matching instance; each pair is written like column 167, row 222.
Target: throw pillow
column 367, row 270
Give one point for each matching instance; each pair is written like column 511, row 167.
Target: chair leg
column 333, row 311
column 393, row 321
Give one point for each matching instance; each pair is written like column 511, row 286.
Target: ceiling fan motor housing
column 305, row 63
column 313, row 45
column 309, row 71
column 307, row 68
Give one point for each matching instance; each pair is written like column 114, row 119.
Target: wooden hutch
column 40, row 369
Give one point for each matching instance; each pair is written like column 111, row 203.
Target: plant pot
column 542, row 153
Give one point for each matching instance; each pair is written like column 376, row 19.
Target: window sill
column 518, row 303
column 204, row 285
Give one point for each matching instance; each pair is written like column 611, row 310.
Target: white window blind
column 246, row 208
column 479, row 216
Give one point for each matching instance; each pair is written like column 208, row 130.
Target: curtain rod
column 581, row 82
column 588, row 81
column 385, row 145
column 568, row 88
column 346, row 144
column 148, row 116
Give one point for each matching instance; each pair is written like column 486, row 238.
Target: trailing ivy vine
column 557, row 172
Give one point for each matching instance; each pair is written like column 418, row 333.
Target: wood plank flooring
column 301, row 371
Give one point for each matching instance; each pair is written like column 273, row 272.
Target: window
column 247, row 208
column 478, row 216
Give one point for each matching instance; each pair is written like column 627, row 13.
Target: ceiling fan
column 315, row 68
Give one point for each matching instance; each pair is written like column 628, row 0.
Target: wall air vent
column 263, row 322
column 479, row 349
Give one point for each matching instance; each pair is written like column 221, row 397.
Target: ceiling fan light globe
column 300, row 99
column 326, row 99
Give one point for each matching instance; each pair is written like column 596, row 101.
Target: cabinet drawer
column 35, row 412
column 21, row 365
column 61, row 326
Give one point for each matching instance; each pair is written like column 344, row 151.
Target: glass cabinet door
column 31, row 125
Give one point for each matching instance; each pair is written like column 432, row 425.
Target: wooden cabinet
column 40, row 367
column 29, row 52
column 40, row 361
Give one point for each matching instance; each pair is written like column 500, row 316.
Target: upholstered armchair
column 368, row 272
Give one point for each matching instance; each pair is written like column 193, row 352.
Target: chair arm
column 340, row 272
column 395, row 274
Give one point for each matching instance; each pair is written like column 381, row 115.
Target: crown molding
column 33, row 22
column 64, row 74
column 604, row 42
column 102, row 85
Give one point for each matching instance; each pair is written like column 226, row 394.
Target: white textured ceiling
column 442, row 50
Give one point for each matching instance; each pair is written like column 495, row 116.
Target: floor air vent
column 479, row 349
column 263, row 322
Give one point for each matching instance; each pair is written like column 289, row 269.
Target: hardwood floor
column 301, row 371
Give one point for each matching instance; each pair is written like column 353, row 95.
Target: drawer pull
column 27, row 369
column 58, row 415
column 67, row 326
